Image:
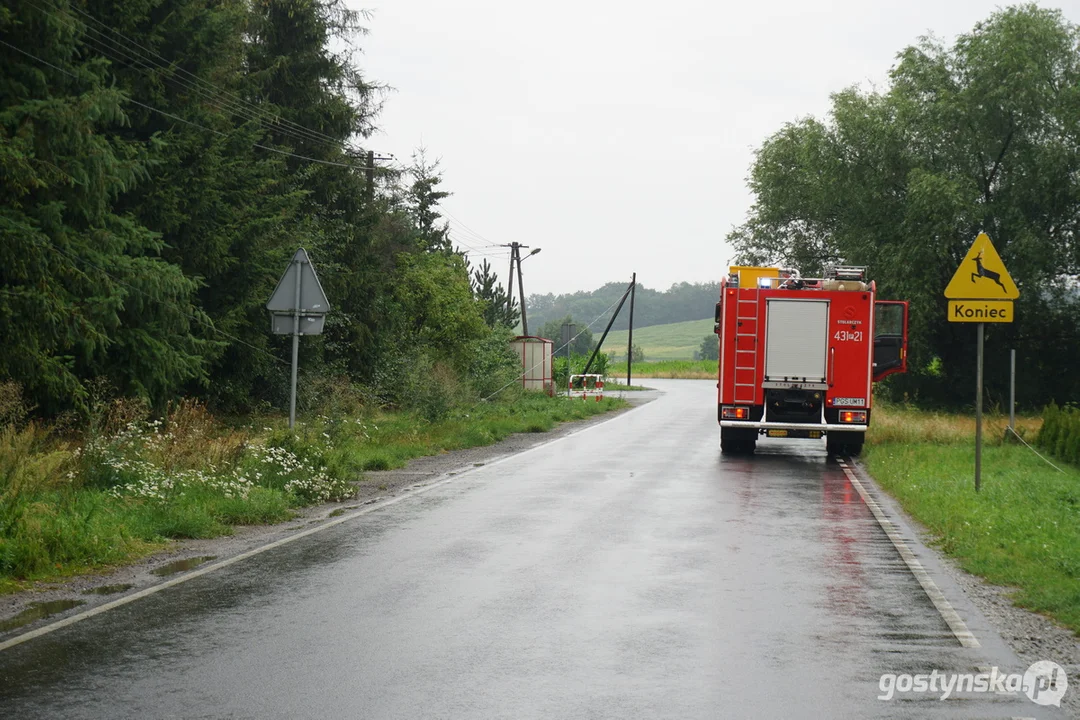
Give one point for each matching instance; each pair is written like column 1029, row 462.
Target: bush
column 601, row 366
column 13, row 409
column 494, row 363
column 1060, row 432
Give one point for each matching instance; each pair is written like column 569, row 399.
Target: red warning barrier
column 586, row 386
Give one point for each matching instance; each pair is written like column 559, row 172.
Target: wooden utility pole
column 515, row 259
column 521, row 291
column 630, row 335
column 369, row 172
column 510, row 286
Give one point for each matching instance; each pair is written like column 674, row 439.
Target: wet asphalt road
column 628, row 571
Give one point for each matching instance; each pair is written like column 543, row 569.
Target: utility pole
column 369, row 172
column 630, row 335
column 515, row 258
column 521, row 291
column 510, row 285
column 607, row 329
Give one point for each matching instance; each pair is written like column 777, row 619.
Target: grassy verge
column 1022, row 530
column 685, row 369
column 134, row 484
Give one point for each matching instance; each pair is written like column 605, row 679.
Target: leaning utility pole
column 611, row 322
column 521, row 291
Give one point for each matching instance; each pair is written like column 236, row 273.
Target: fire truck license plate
column 848, row 402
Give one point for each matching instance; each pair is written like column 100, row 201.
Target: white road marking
column 452, row 476
column 948, row 614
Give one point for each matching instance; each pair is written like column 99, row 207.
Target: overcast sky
column 618, row 135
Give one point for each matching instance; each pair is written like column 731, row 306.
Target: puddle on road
column 108, row 589
column 182, row 565
column 37, row 611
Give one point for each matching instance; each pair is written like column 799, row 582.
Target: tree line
column 161, row 161
column 682, row 301
column 979, row 135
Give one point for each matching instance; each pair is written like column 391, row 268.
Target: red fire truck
column 798, row 355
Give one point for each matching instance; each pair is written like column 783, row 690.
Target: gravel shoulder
column 94, row 589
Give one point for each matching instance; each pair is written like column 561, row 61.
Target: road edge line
column 952, row 618
column 447, row 478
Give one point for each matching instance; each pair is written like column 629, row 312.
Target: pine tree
column 218, row 201
column 423, row 203
column 487, row 288
column 85, row 293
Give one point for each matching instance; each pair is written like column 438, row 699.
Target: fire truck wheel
column 844, row 443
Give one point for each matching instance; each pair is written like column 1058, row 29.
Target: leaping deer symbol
column 983, row 272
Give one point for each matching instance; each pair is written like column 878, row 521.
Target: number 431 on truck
column 798, row 355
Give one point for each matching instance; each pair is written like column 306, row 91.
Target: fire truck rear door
column 796, row 341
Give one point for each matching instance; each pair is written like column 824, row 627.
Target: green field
column 674, row 341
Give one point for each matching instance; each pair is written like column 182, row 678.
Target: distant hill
column 679, row 303
column 675, row 341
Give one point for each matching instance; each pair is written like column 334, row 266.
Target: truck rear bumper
column 791, row 426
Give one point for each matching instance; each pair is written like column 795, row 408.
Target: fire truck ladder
column 747, row 309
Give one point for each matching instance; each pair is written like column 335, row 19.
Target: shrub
column 494, row 363
column 1060, row 432
column 13, row 409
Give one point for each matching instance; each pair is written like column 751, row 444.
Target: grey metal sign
column 282, row 324
column 297, row 307
column 311, row 298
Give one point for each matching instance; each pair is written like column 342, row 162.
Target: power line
column 477, row 235
column 236, row 103
column 189, row 122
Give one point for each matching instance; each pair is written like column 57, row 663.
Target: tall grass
column 894, row 423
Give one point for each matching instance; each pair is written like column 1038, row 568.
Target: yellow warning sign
column 982, row 275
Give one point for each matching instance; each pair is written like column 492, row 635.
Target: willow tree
column 982, row 135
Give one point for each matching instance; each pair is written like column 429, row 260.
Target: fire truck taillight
column 735, row 413
column 853, row 416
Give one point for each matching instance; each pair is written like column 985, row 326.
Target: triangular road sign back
column 982, row 275
column 312, row 297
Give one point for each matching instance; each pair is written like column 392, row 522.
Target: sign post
column 981, row 291
column 297, row 307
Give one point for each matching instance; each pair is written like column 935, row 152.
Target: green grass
column 689, row 369
column 67, row 508
column 1022, row 530
column 396, row 438
column 674, row 341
